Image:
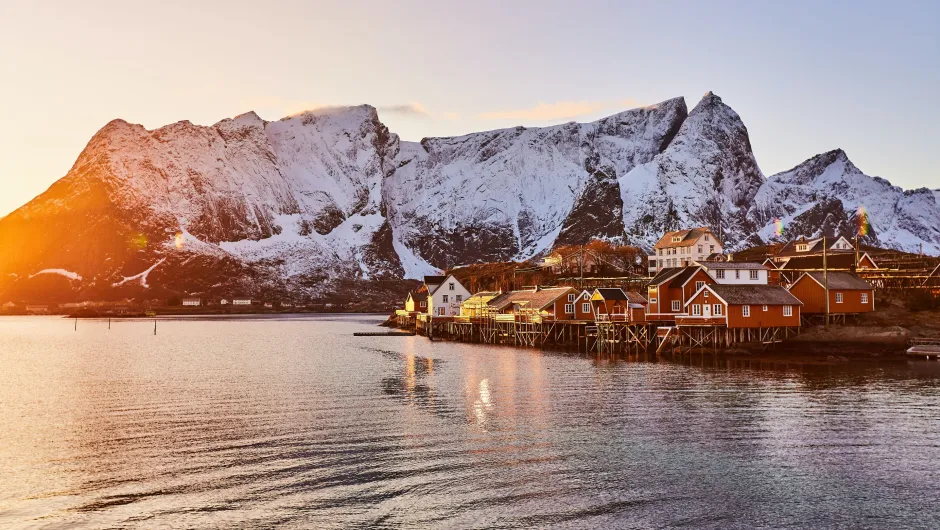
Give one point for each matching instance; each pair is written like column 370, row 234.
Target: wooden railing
column 696, row 320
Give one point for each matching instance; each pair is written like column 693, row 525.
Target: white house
column 445, row 294
column 192, row 302
column 736, row 272
column 241, row 301
column 681, row 248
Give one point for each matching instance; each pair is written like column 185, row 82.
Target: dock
column 384, row 334
column 928, row 348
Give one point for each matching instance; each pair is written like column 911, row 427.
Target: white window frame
column 788, row 310
column 720, row 274
column 445, row 299
column 697, row 310
column 676, row 305
column 569, row 309
column 745, row 311
column 755, row 275
column 717, row 310
column 571, row 297
column 765, row 309
column 451, row 284
column 838, row 298
column 423, row 303
column 585, row 307
column 440, row 311
column 737, row 274
column 699, row 285
column 653, row 300
column 865, row 298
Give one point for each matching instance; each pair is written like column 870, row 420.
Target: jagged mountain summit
column 331, row 200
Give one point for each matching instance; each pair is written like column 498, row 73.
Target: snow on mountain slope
column 506, row 194
column 707, row 176
column 825, row 194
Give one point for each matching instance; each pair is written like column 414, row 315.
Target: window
column 864, row 298
column 706, row 237
column 838, row 298
column 788, row 310
column 711, row 249
column 802, row 248
column 720, row 274
column 700, row 249
column 676, row 305
column 459, row 298
column 451, row 286
column 652, row 263
column 676, row 239
column 754, row 275
column 705, row 294
column 699, row 285
column 696, row 310
column 652, row 300
column 737, row 275
column 424, row 303
column 585, row 308
column 445, row 298
column 765, row 309
column 440, row 311
column 716, row 310
column 571, row 297
column 745, row 310
column 569, row 308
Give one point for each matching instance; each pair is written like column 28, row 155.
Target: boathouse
column 848, row 294
column 476, row 305
column 582, row 306
column 668, row 291
column 742, row 306
column 613, row 303
column 416, row 302
column 551, row 303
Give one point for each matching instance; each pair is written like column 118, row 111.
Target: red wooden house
column 668, row 291
column 616, row 304
column 743, row 306
column 848, row 294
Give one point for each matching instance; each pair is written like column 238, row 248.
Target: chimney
column 538, row 288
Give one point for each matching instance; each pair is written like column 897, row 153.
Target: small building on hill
column 37, row 309
column 743, row 306
column 192, row 302
column 848, row 294
column 682, row 247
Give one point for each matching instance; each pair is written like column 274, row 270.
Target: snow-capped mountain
column 827, row 194
column 331, row 199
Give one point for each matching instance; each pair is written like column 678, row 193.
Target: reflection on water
column 295, row 422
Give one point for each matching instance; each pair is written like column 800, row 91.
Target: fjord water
column 294, row 422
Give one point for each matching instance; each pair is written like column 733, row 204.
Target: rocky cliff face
column 330, row 198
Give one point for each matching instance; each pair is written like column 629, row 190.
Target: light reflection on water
column 295, row 422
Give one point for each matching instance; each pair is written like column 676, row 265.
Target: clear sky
column 805, row 77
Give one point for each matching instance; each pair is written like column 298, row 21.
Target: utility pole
column 826, row 280
column 581, row 267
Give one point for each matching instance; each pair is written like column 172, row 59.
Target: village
column 688, row 294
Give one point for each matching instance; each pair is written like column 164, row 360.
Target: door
column 706, row 310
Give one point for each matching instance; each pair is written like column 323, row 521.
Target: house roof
column 734, row 265
column 481, row 297
column 612, row 293
column 687, row 238
column 844, row 260
column 684, row 276
column 418, row 296
column 665, row 274
column 716, row 256
column 636, row 298
column 537, row 299
column 815, row 246
column 434, row 280
column 840, row 280
column 753, row 294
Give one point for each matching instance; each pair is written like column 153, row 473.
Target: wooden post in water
column 76, row 323
column 154, row 326
column 109, row 322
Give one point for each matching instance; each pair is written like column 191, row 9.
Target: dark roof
column 537, row 299
column 754, row 294
column 636, row 298
column 612, row 293
column 716, row 256
column 734, row 265
column 684, row 276
column 815, row 246
column 418, row 296
column 434, row 280
column 842, row 280
column 665, row 274
column 833, row 261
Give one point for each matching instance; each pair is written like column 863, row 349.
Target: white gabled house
column 445, row 294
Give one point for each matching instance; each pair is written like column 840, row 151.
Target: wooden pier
column 603, row 336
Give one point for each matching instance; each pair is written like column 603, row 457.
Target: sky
column 806, row 77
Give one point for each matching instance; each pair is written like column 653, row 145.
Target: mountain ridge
column 306, row 204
